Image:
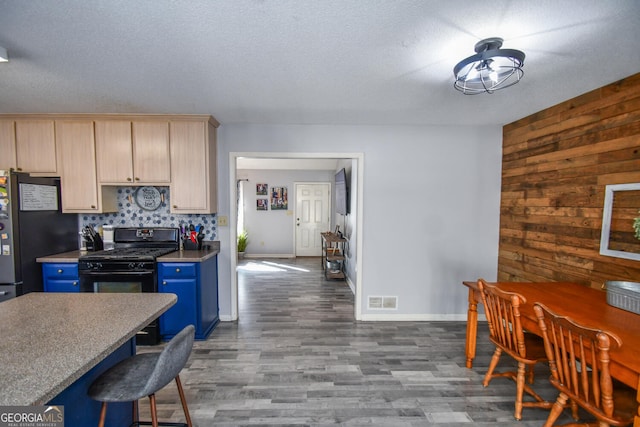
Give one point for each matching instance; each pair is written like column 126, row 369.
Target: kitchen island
column 51, row 341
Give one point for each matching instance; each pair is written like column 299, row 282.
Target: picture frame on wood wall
column 620, row 214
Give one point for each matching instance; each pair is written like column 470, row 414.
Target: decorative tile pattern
column 131, row 215
column 297, row 357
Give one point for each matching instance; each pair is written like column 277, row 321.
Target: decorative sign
column 148, row 198
column 279, row 199
column 35, row 197
column 261, row 189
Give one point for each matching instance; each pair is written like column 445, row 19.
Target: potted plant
column 243, row 240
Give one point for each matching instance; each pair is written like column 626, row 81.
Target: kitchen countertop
column 71, row 256
column 177, row 256
column 189, row 256
column 49, row 340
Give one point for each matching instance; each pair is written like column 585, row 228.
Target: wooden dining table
column 584, row 305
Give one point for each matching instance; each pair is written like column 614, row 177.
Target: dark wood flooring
column 297, row 357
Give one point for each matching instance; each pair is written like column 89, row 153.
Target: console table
column 333, row 255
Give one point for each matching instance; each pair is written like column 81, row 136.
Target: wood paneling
column 555, row 166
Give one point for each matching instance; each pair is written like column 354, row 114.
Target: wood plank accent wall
column 555, row 166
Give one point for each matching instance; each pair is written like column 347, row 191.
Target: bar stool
column 143, row 375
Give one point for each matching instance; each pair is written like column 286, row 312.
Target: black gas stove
column 143, row 254
column 129, row 267
column 133, row 246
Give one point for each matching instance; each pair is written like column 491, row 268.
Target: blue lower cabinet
column 60, row 277
column 82, row 411
column 196, row 286
column 184, row 311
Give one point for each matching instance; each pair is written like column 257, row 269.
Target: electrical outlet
column 222, row 221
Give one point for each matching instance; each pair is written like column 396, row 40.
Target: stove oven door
column 115, row 281
column 128, row 282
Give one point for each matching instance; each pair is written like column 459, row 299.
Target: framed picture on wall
column 261, row 189
column 279, row 198
column 262, row 204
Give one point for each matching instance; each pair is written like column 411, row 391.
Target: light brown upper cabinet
column 7, row 145
column 35, row 147
column 193, row 167
column 134, row 153
column 79, row 188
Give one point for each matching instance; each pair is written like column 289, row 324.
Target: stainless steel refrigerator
column 32, row 225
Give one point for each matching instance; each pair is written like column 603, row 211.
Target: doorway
column 356, row 159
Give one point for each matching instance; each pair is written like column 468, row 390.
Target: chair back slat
column 579, row 360
column 503, row 315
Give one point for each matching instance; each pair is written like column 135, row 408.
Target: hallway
column 297, row 357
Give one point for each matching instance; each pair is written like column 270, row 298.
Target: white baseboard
column 269, row 256
column 227, row 318
column 394, row 317
column 351, row 285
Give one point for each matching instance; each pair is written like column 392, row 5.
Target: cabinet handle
column 75, row 283
column 164, row 282
column 137, row 179
column 19, row 169
column 60, row 271
column 175, row 206
column 177, row 270
column 93, row 206
column 129, row 179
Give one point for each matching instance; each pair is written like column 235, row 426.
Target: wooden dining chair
column 505, row 331
column 579, row 362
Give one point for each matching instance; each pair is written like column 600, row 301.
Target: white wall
column 347, row 223
column 430, row 213
column 271, row 232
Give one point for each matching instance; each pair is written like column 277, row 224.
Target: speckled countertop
column 189, row 256
column 178, row 256
column 49, row 340
column 71, row 256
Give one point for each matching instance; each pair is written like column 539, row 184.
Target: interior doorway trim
column 233, row 157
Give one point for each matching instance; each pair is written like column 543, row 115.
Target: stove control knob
column 132, row 265
column 89, row 265
column 98, row 265
column 141, row 265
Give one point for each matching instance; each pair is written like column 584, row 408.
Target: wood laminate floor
column 296, row 357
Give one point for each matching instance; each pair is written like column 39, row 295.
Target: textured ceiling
column 306, row 61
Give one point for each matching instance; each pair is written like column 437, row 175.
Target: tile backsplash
column 131, row 215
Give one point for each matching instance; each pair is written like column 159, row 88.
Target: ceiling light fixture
column 490, row 69
column 4, row 57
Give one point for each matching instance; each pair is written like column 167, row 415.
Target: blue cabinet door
column 61, row 286
column 183, row 313
column 180, row 279
column 60, row 277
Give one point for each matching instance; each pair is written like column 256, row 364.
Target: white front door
column 312, row 217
